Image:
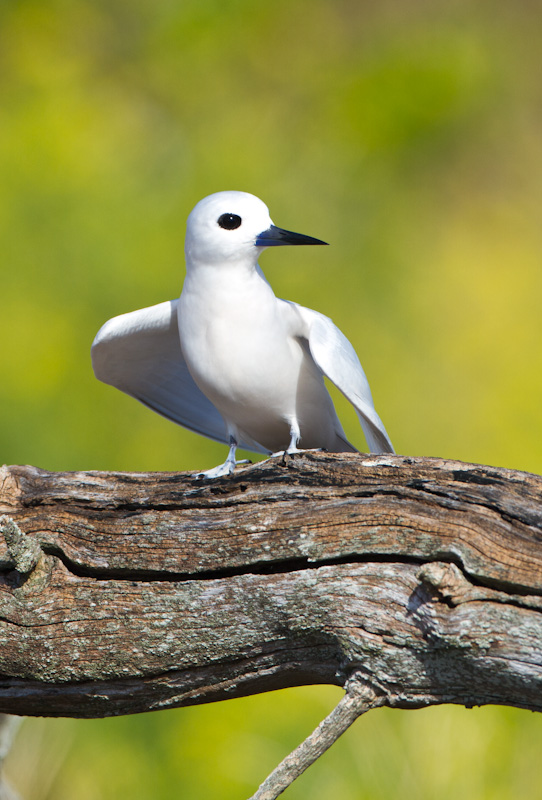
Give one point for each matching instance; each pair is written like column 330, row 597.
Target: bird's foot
column 217, row 472
column 292, row 451
column 279, row 454
column 227, row 468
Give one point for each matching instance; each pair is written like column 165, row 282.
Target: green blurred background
column 406, row 134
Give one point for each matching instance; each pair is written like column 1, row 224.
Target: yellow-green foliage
column 406, row 134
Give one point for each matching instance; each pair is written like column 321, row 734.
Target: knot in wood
column 446, row 580
column 18, row 551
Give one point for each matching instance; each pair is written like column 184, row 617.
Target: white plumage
column 231, row 361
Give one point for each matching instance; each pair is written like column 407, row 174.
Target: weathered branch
column 122, row 593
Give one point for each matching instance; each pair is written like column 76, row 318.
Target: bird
column 228, row 359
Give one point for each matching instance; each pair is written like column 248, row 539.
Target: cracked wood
column 123, row 592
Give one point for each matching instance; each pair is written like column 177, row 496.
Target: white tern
column 228, row 359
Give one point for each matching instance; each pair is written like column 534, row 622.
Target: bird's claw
column 293, row 451
column 227, row 468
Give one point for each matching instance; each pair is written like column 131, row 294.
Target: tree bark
column 122, row 593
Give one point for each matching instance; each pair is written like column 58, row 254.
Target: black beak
column 274, row 236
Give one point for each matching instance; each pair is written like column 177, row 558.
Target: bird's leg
column 228, row 466
column 223, row 469
column 295, row 435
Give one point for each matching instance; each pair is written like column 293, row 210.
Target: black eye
column 229, row 221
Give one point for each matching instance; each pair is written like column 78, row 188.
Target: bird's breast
column 239, row 351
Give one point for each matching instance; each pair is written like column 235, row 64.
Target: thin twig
column 358, row 699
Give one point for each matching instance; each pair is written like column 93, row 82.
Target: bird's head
column 229, row 227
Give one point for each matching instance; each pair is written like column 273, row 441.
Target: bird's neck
column 225, row 280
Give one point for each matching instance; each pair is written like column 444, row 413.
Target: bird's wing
column 140, row 354
column 337, row 360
